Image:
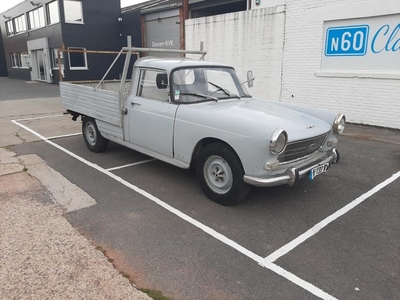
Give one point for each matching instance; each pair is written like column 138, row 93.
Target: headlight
column 339, row 124
column 278, row 141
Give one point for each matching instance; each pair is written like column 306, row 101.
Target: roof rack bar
column 201, row 52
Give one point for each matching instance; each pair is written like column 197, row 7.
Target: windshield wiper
column 200, row 95
column 219, row 88
column 225, row 91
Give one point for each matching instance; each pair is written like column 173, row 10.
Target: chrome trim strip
column 309, row 155
column 299, row 159
column 292, row 174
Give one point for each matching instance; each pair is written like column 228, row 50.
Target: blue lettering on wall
column 386, row 39
column 347, row 40
column 353, row 40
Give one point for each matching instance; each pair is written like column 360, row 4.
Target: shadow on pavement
column 16, row 89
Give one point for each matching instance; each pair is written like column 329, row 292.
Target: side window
column 25, row 60
column 52, row 13
column 73, row 11
column 54, row 59
column 14, row 60
column 148, row 86
column 77, row 59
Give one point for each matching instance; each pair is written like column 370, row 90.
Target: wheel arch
column 205, row 142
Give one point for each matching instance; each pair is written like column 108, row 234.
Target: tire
column 220, row 174
column 92, row 136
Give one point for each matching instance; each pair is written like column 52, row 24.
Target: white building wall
column 284, row 46
column 365, row 96
column 248, row 40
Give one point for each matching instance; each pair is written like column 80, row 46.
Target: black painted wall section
column 129, row 25
column 18, row 43
column 100, row 32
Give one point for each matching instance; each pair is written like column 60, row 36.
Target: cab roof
column 169, row 64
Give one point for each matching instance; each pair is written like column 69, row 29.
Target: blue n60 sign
column 347, row 40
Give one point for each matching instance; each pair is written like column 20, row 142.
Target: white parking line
column 312, row 231
column 271, row 266
column 38, row 118
column 131, row 165
column 63, row 136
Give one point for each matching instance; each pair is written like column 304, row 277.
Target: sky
column 7, row 4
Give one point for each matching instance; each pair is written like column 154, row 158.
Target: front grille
column 299, row 149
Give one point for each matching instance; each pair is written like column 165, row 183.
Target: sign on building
column 362, row 44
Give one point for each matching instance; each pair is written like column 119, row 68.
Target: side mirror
column 162, row 80
column 250, row 79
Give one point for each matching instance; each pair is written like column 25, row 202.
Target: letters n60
column 353, row 40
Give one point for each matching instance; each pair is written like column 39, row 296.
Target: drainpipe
column 184, row 15
column 185, row 4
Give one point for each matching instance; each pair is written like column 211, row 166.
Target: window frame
column 25, row 55
column 14, row 60
column 72, row 21
column 23, row 23
column 139, row 89
column 29, row 18
column 54, row 59
column 48, row 15
column 86, row 67
column 8, row 32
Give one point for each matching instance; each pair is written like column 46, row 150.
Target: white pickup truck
column 197, row 113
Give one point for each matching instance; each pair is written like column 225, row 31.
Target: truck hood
column 248, row 116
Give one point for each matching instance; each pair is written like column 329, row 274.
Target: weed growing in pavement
column 156, row 295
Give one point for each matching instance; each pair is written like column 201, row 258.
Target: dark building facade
column 3, row 65
column 33, row 32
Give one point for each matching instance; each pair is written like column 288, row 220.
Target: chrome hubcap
column 218, row 174
column 91, row 134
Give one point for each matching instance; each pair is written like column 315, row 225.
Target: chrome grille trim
column 302, row 149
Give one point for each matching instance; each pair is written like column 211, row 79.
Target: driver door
column 151, row 115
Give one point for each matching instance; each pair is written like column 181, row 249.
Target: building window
column 10, row 28
column 73, row 11
column 24, row 60
column 20, row 60
column 14, row 60
column 53, row 16
column 54, row 59
column 77, row 60
column 36, row 18
column 20, row 24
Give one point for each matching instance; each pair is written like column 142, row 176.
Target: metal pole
column 109, row 69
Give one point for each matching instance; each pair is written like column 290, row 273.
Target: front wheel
column 91, row 134
column 220, row 174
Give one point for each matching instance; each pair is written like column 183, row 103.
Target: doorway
column 40, row 65
column 40, row 60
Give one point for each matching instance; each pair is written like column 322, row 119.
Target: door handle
column 135, row 103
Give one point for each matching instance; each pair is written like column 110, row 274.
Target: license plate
column 319, row 170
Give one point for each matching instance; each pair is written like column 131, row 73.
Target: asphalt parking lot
column 335, row 237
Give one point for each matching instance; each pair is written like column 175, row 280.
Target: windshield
column 194, row 85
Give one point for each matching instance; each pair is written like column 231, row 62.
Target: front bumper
column 292, row 175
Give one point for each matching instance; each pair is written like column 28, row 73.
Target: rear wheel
column 91, row 134
column 220, row 174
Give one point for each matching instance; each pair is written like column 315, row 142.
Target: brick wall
column 366, row 97
column 284, row 47
column 248, row 40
